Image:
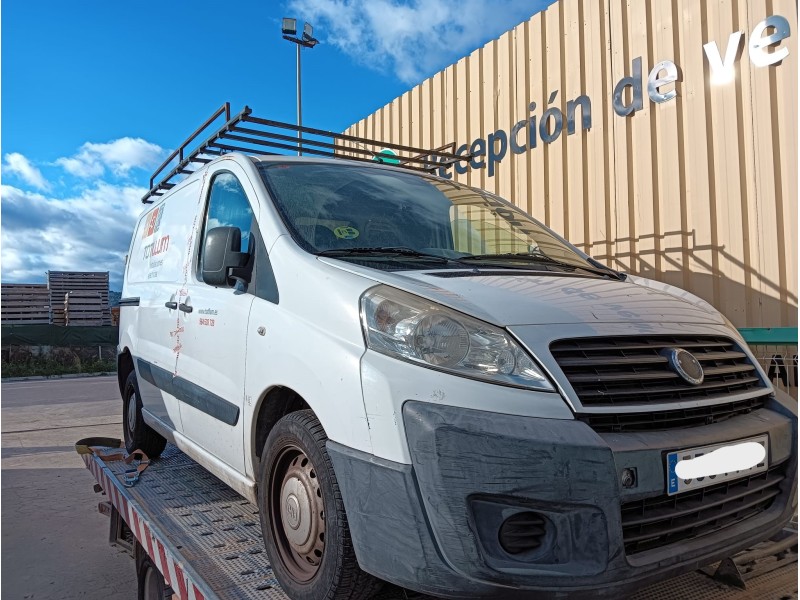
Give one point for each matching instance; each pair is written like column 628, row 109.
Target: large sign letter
column 633, row 81
column 656, row 80
column 759, row 43
column 723, row 71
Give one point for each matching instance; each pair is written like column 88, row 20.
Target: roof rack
column 237, row 135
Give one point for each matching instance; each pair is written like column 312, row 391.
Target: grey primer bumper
column 433, row 526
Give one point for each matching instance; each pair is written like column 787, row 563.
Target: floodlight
column 289, row 26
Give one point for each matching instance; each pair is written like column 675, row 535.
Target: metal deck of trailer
column 206, row 540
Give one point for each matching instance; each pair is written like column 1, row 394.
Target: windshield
column 342, row 210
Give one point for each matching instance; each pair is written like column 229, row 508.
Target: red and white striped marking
column 160, row 553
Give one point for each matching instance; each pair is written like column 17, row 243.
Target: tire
column 138, row 434
column 149, row 580
column 302, row 516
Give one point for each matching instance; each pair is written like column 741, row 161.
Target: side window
column 228, row 206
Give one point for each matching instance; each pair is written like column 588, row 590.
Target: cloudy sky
column 95, row 94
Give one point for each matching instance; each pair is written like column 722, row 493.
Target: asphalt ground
column 54, row 541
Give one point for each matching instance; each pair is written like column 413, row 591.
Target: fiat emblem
column 684, row 364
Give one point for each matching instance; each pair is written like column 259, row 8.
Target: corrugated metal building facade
column 696, row 188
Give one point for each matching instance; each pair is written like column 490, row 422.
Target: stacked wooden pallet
column 88, row 301
column 84, row 308
column 24, row 303
column 58, row 315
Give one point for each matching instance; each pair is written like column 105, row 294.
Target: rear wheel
column 138, row 434
column 302, row 516
column 150, row 581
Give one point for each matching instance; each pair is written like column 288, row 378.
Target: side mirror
column 222, row 260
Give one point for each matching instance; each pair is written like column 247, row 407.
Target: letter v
column 722, row 72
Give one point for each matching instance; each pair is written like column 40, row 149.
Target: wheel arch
column 274, row 404
column 124, row 368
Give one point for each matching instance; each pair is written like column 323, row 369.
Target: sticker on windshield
column 346, row 233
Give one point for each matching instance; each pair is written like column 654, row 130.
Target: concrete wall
column 699, row 190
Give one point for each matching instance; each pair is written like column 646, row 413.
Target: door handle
column 171, row 305
column 185, row 307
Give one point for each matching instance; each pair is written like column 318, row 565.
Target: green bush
column 24, row 361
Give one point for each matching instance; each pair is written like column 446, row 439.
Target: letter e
column 759, row 42
column 654, row 82
column 477, row 150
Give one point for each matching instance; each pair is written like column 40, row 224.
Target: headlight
column 411, row 328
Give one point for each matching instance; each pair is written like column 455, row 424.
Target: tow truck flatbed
column 206, row 540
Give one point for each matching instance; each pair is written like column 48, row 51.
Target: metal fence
column 776, row 351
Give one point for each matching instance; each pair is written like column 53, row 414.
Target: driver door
column 212, row 363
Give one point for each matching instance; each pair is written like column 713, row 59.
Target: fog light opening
column 628, row 478
column 522, row 532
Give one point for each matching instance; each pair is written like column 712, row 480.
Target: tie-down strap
column 112, row 449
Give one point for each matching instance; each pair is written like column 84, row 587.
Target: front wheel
column 138, row 434
column 303, row 518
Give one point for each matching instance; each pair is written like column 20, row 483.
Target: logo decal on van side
column 160, row 246
column 153, row 222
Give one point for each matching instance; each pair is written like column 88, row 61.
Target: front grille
column 656, row 522
column 612, row 371
column 671, row 419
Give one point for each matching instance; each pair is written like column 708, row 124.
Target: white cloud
column 16, row 164
column 87, row 232
column 120, row 156
column 416, row 38
column 81, row 166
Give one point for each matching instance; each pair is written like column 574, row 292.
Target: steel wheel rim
column 297, row 513
column 131, row 417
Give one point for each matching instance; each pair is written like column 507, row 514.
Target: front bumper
column 433, row 526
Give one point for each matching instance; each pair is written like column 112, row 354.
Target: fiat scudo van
column 419, row 383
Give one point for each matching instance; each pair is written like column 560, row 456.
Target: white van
column 419, row 383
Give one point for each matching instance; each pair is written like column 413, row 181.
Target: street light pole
column 289, row 29
column 299, row 105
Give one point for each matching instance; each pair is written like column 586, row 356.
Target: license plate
column 722, row 462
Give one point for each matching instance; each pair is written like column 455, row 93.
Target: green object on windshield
column 387, row 157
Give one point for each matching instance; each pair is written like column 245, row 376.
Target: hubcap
column 132, row 412
column 298, row 514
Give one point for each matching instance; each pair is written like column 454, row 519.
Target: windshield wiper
column 383, row 252
column 613, row 272
column 537, row 257
column 524, row 256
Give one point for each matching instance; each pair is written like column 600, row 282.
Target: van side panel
column 156, row 273
column 312, row 344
